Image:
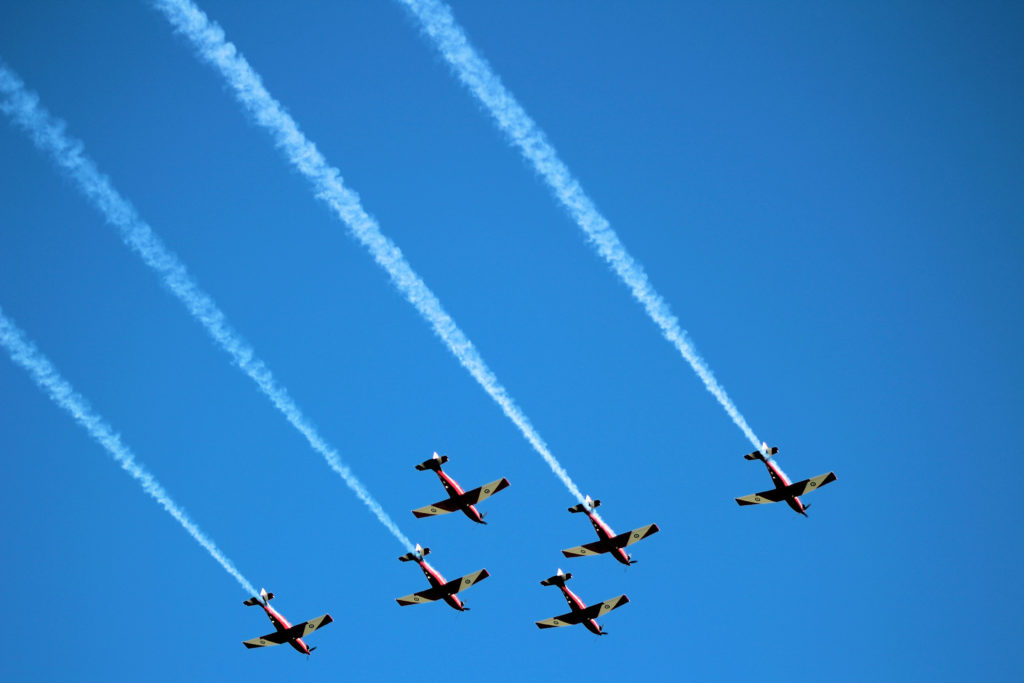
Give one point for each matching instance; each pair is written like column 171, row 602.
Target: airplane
column 457, row 498
column 285, row 633
column 439, row 588
column 580, row 614
column 607, row 542
column 783, row 489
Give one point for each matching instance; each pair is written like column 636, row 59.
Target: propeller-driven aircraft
column 457, row 498
column 783, row 489
column 607, row 541
column 580, row 614
column 439, row 588
column 285, row 633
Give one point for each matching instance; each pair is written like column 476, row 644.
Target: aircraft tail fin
column 585, row 507
column 263, row 599
column 558, row 579
column 763, row 454
column 417, row 554
column 434, row 463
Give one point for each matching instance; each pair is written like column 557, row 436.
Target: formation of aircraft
column 285, row 633
column 457, row 498
column 607, row 541
column 580, row 613
column 783, row 490
column 439, row 588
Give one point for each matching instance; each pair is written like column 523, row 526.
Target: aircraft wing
column 441, row 507
column 770, row 496
column 594, row 611
column 797, row 489
column 438, row 592
column 631, row 537
column 298, row 631
column 808, row 485
column 478, row 494
column 595, row 548
column 567, row 619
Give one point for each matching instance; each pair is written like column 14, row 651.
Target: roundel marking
column 433, row 509
column 605, row 606
column 416, row 599
column 487, row 490
column 554, row 621
column 814, row 483
column 757, row 498
column 466, row 581
column 636, row 535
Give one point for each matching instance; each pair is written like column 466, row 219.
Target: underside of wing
column 808, row 485
column 462, row 583
column 297, row 631
column 478, row 494
column 770, row 496
column 429, row 595
column 275, row 638
column 595, row 548
column 594, row 611
column 631, row 537
column 442, row 507
column 567, row 619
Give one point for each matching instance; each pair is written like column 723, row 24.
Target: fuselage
column 281, row 624
column 436, row 581
column 781, row 481
column 605, row 534
column 577, row 605
column 454, row 490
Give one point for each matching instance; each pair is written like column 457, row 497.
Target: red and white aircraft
column 580, row 614
column 285, row 633
column 607, row 541
column 439, row 588
column 457, row 498
column 783, row 489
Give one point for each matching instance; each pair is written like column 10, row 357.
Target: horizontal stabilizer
column 298, row 631
column 433, row 464
column 558, row 579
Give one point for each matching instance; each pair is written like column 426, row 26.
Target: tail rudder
column 434, row 463
column 764, row 453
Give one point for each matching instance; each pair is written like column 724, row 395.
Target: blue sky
column 828, row 198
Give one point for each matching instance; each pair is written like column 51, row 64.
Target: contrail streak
column 48, row 134
column 476, row 74
column 209, row 41
column 25, row 354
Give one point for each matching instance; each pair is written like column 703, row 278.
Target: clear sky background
column 828, row 196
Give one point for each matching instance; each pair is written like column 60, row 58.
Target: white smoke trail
column 209, row 41
column 25, row 354
column 476, row 74
column 48, row 134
